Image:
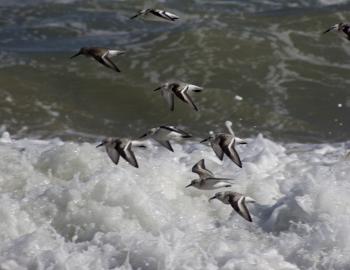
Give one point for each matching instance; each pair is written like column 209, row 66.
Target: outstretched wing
column 184, row 134
column 228, row 146
column 128, row 154
column 215, row 144
column 166, row 144
column 240, row 207
column 200, row 169
column 185, row 97
column 164, row 14
column 109, row 62
column 113, row 154
column 169, row 97
column 102, row 61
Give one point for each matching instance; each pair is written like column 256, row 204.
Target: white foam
column 65, row 205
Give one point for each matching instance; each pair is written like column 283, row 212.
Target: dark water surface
column 294, row 81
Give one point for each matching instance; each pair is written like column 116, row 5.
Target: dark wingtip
column 141, row 146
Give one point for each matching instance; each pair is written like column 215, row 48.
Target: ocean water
column 65, row 205
column 264, row 65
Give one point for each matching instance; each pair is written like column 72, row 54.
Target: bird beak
column 75, row 55
column 212, row 198
column 157, row 89
column 101, row 144
column 329, row 29
column 202, row 141
column 188, row 185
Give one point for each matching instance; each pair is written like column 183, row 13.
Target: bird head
column 194, row 182
column 211, row 137
column 150, row 132
column 212, row 198
column 81, row 51
column 104, row 142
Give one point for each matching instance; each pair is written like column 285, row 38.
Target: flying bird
column 238, row 202
column 156, row 13
column 101, row 55
column 162, row 134
column 116, row 147
column 179, row 89
column 224, row 143
column 207, row 180
column 340, row 27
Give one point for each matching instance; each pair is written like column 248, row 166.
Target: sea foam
column 65, row 205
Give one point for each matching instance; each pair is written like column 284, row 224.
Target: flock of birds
column 221, row 143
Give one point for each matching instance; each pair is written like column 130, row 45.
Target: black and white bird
column 163, row 134
column 116, row 147
column 340, row 27
column 207, row 180
column 224, row 143
column 179, row 89
column 155, row 13
column 238, row 202
column 101, row 55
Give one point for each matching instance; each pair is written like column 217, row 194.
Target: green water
column 294, row 81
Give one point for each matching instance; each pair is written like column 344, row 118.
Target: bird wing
column 219, row 179
column 346, row 30
column 113, row 154
column 228, row 147
column 110, row 63
column 184, row 96
column 163, row 14
column 166, row 144
column 102, row 61
column 217, row 148
column 177, row 130
column 127, row 153
column 240, row 207
column 200, row 169
column 169, row 97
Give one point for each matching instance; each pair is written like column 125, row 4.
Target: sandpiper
column 207, row 180
column 181, row 90
column 116, row 147
column 225, row 143
column 162, row 134
column 340, row 27
column 101, row 55
column 147, row 13
column 237, row 201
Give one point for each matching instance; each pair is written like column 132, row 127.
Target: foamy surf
column 65, row 205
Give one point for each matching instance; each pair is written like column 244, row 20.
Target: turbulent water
column 66, row 206
column 264, row 65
